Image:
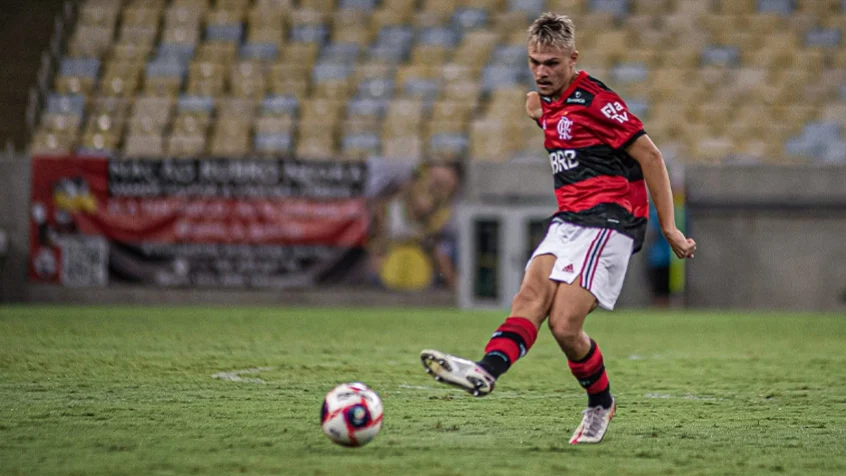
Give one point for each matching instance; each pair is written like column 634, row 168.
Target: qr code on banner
column 85, row 261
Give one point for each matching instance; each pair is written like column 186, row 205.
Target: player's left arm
column 619, row 128
column 644, row 151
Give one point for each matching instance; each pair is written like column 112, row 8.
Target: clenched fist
column 682, row 246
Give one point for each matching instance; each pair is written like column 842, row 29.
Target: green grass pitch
column 129, row 390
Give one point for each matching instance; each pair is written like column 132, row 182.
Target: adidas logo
column 568, row 268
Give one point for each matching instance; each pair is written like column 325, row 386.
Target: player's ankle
column 602, row 399
column 494, row 363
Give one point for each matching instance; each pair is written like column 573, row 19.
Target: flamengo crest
column 565, row 128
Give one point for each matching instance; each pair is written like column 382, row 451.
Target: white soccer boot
column 456, row 371
column 594, row 424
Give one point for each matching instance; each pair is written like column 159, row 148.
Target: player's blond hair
column 551, row 29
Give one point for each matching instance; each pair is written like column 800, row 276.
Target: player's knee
column 531, row 300
column 566, row 333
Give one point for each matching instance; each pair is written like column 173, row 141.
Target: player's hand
column 683, row 247
column 533, row 105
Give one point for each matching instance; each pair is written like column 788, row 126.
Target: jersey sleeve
column 613, row 123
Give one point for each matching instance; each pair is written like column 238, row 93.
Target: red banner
column 194, row 222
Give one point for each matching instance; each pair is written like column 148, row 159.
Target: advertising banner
column 239, row 222
column 195, row 222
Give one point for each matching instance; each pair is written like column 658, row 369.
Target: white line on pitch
column 235, row 375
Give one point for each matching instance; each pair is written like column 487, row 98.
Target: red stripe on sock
column 523, row 327
column 505, row 346
column 599, row 386
column 588, row 367
column 520, row 326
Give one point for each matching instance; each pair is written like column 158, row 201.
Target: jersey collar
column 579, row 77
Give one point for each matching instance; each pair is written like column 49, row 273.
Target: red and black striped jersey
column 597, row 183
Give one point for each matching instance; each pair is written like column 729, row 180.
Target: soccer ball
column 351, row 414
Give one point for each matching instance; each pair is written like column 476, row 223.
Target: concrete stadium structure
column 769, row 238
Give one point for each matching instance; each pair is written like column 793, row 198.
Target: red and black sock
column 510, row 342
column 590, row 372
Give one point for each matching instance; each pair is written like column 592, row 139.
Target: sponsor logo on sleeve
column 616, row 112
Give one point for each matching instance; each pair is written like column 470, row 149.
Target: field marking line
column 501, row 393
column 665, row 396
column 414, row 387
column 645, row 357
column 235, row 375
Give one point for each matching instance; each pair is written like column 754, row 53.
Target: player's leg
column 509, row 342
column 600, row 282
column 566, row 320
column 529, row 308
column 569, row 310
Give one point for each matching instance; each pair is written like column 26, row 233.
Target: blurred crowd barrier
column 769, row 237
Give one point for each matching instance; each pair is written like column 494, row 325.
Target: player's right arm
column 644, row 151
column 533, row 106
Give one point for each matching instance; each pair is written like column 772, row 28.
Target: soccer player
column 600, row 156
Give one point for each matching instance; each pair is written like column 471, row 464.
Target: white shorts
column 599, row 255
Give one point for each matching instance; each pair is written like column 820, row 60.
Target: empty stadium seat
column 149, row 146
column 356, row 78
column 360, row 146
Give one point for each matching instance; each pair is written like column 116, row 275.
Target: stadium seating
column 728, row 80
